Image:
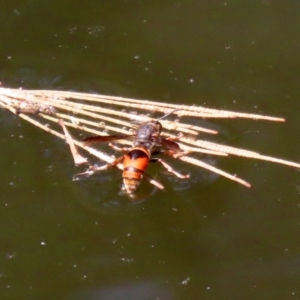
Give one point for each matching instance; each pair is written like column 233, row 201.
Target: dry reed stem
column 78, row 159
column 244, row 153
column 10, row 98
column 92, row 151
column 160, row 106
column 211, row 168
column 89, row 110
column 195, row 111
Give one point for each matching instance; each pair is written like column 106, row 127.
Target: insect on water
column 146, row 141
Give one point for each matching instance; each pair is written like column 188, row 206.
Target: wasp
column 146, row 141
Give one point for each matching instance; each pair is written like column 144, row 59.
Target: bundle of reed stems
column 99, row 114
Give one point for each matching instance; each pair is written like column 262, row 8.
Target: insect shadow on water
column 107, row 195
column 98, row 193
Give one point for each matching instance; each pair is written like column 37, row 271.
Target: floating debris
column 105, row 115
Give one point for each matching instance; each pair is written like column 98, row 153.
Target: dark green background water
column 215, row 240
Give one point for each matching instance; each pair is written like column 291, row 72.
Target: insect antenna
column 169, row 113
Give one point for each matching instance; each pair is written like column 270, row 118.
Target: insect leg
column 121, row 149
column 169, row 168
column 176, row 154
column 93, row 169
column 154, row 182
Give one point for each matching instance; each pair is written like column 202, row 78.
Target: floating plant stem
column 97, row 114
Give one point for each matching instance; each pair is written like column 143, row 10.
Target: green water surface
column 212, row 239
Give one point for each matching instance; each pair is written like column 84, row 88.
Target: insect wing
column 105, row 138
column 170, row 145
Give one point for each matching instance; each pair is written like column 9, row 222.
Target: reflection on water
column 126, row 291
column 107, row 194
column 31, row 78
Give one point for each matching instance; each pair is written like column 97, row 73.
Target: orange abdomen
column 135, row 162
